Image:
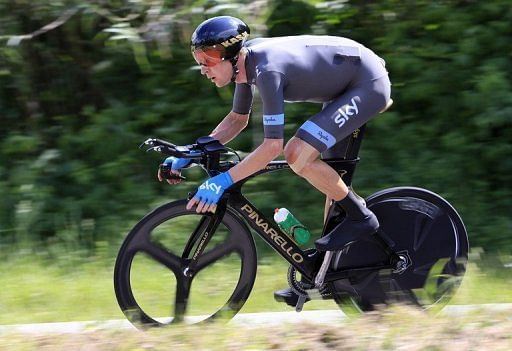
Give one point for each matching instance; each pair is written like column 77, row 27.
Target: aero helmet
column 218, row 39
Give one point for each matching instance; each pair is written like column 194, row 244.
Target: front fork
column 203, row 232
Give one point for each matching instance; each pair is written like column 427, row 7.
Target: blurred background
column 83, row 83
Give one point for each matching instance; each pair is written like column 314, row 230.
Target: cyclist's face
column 213, row 67
column 220, row 74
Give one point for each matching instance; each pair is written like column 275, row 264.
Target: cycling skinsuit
column 348, row 78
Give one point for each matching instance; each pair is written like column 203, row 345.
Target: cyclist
column 348, row 78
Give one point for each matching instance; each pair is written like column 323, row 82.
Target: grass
column 395, row 328
column 35, row 291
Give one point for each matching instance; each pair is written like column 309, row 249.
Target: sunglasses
column 208, row 56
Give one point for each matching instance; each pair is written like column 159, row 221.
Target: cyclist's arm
column 230, row 127
column 238, row 118
column 258, row 159
column 270, row 85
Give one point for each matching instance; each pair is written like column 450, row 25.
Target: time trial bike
column 418, row 255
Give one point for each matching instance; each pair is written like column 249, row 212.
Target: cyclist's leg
column 337, row 151
column 321, row 132
column 359, row 220
column 303, row 155
column 327, row 205
column 328, row 200
column 333, row 124
column 340, row 151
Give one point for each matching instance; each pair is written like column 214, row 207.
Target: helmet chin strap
column 234, row 61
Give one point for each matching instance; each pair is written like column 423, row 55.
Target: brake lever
column 154, row 148
column 146, row 142
column 166, row 173
column 157, row 142
column 168, row 151
column 153, row 143
column 174, row 176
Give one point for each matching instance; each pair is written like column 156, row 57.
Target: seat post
column 354, row 143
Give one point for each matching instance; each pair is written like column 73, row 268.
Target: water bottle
column 291, row 225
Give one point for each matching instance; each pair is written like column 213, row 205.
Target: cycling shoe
column 347, row 231
column 287, row 295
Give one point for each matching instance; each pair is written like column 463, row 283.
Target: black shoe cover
column 347, row 231
column 287, row 295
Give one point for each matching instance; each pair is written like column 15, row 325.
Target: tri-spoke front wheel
column 152, row 283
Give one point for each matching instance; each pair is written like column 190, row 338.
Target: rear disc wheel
column 431, row 239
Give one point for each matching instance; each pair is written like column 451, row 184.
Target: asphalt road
column 244, row 319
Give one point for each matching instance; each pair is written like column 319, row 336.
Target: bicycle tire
column 428, row 231
column 169, row 220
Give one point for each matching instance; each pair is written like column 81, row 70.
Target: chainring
column 305, row 288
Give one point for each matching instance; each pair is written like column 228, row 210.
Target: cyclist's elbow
column 240, row 120
column 274, row 146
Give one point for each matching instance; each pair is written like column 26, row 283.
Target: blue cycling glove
column 211, row 190
column 176, row 163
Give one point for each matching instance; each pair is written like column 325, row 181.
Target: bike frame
column 269, row 231
column 285, row 246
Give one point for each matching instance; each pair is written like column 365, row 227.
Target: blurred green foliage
column 77, row 98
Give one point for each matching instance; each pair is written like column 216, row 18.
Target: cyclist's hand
column 210, row 192
column 176, row 164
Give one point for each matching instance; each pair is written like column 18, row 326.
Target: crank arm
column 320, row 277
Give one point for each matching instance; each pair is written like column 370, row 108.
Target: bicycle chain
column 301, row 288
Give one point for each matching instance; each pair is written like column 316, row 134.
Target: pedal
column 300, row 303
column 319, row 279
column 314, row 294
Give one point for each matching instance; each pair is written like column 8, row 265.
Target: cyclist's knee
column 299, row 155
